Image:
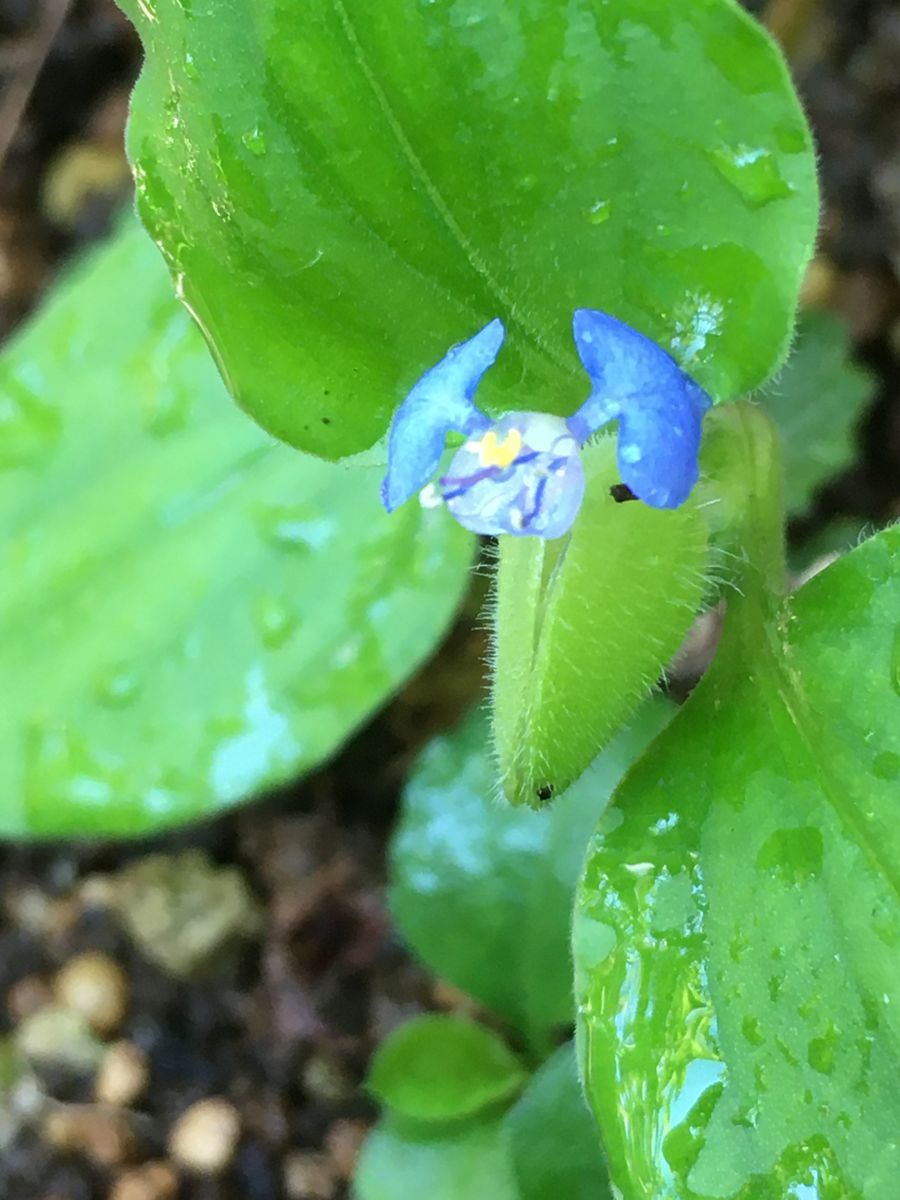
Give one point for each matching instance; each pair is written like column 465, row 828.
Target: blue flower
column 522, row 474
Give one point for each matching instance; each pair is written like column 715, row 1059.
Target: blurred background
column 198, row 1010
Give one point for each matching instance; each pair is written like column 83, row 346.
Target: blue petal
column 659, row 407
column 439, row 402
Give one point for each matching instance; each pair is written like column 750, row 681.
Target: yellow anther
column 492, row 453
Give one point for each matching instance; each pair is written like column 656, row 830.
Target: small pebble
column 27, row 996
column 95, row 987
column 205, row 1136
column 343, row 1141
column 182, row 910
column 123, row 1075
column 102, row 1134
column 97, row 891
column 152, row 1181
column 57, row 1035
column 308, row 1176
column 819, row 283
column 325, row 1078
column 78, row 174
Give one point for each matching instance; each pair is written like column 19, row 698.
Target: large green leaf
column 737, row 930
column 343, row 189
column 544, row 1147
column 191, row 611
column 483, row 892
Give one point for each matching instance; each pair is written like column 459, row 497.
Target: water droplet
column 697, row 318
column 261, row 745
column 611, row 148
column 791, row 137
column 148, row 9
column 752, row 1029
column 61, row 769
column 301, row 528
column 600, row 212
column 747, row 1118
column 753, row 172
column 275, row 622
column 190, row 67
column 794, row 854
column 118, row 688
column 255, row 141
column 821, row 1050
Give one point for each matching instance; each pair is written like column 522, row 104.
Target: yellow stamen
column 494, row 454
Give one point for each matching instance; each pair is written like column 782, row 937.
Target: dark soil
column 281, row 1016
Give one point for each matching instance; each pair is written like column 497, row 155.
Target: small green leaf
column 342, row 190
column 483, row 892
column 736, row 932
column 470, row 1164
column 817, row 402
column 585, row 625
column 194, row 612
column 441, row 1068
column 554, row 1141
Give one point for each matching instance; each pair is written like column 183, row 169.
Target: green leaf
column 442, row 1068
column 736, row 934
column 483, row 892
column 554, row 1141
column 585, row 625
column 469, row 1164
column 342, row 190
column 195, row 612
column 817, row 402
column 544, row 1148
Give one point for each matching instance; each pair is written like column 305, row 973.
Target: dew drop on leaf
column 752, row 171
column 600, row 212
column 118, row 688
column 255, row 141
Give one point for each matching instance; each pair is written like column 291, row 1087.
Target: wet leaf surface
column 482, row 891
column 737, row 925
column 344, row 192
column 198, row 612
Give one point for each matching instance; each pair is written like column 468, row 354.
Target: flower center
column 492, row 453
